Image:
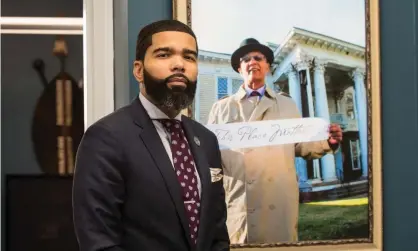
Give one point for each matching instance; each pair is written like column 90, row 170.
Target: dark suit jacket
column 126, row 196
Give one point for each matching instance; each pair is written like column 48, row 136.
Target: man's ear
column 138, row 71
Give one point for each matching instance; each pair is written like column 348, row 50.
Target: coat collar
column 242, row 93
column 266, row 102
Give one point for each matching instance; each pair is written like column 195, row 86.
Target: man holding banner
column 260, row 182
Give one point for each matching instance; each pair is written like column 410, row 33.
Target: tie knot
column 171, row 124
column 255, row 93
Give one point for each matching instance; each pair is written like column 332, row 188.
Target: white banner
column 269, row 132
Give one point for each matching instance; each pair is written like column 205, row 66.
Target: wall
column 20, row 85
column 399, row 72
column 121, row 53
column 141, row 13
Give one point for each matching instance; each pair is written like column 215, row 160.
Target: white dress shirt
column 155, row 113
column 254, row 99
column 260, row 90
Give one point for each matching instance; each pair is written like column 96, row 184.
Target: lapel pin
column 197, row 141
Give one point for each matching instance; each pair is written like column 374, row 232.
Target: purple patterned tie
column 186, row 173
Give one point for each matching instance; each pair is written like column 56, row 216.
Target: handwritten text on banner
column 269, row 132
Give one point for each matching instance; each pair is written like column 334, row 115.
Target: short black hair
column 144, row 39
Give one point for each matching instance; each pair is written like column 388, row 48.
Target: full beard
column 170, row 99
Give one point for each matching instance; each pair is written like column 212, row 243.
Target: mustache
column 178, row 77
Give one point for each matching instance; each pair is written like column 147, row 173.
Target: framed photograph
column 318, row 59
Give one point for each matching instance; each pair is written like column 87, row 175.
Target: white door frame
column 98, row 56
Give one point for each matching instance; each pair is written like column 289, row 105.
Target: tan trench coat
column 261, row 186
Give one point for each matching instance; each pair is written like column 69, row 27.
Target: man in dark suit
column 146, row 177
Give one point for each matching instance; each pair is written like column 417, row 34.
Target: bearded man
column 146, row 177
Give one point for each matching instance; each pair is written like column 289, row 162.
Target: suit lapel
column 245, row 107
column 264, row 104
column 149, row 136
column 196, row 147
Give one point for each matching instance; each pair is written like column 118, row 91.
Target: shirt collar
column 260, row 90
column 153, row 111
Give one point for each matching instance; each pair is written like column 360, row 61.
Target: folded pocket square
column 216, row 174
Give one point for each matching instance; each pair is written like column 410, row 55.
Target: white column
column 98, row 59
column 322, row 111
column 294, row 91
column 361, row 116
column 305, row 65
column 294, row 87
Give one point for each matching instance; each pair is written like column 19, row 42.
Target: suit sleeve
column 221, row 240
column 98, row 191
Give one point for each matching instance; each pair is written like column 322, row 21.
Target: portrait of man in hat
column 261, row 185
